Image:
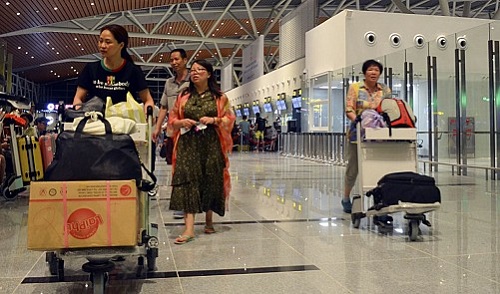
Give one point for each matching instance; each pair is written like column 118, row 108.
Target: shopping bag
column 129, row 109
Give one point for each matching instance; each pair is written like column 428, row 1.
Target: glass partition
column 475, row 100
column 442, row 58
column 416, row 57
column 394, row 74
column 318, row 104
column 337, row 99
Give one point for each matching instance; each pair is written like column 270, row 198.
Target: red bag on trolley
column 396, row 113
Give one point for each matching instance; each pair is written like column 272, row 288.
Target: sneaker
column 178, row 214
column 347, row 205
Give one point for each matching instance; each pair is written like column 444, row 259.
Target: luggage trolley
column 99, row 259
column 13, row 183
column 380, row 153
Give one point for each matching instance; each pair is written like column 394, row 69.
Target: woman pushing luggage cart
column 380, row 153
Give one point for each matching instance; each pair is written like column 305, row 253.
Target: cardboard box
column 88, row 214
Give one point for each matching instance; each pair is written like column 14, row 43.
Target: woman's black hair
column 212, row 82
column 121, row 36
column 372, row 62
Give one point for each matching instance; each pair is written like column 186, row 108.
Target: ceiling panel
column 64, row 47
column 18, row 15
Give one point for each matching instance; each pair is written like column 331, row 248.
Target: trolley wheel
column 9, row 195
column 356, row 221
column 151, row 255
column 140, row 261
column 413, row 230
column 56, row 265
column 99, row 281
column 51, row 259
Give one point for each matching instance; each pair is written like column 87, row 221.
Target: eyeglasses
column 198, row 71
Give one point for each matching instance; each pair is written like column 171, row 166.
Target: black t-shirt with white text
column 102, row 82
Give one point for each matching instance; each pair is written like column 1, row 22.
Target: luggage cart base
column 414, row 213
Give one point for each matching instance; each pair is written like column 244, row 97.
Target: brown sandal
column 209, row 230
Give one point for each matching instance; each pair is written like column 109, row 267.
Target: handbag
column 93, row 104
column 163, row 149
column 84, row 157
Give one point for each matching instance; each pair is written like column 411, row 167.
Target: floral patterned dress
column 198, row 180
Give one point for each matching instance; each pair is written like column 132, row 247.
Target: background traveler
column 202, row 120
column 173, row 86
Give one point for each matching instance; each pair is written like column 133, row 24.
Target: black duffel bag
column 81, row 157
column 404, row 187
column 93, row 104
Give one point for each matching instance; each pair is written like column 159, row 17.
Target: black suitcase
column 404, row 187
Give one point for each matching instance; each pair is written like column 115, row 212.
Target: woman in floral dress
column 202, row 120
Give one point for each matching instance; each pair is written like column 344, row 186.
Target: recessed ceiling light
column 57, row 53
column 58, row 76
column 19, row 47
column 79, row 44
column 53, row 48
column 83, row 49
column 7, row 3
column 92, row 3
column 76, row 39
column 55, row 8
column 32, row 57
column 26, row 52
column 48, row 43
column 51, row 71
column 221, row 23
column 18, row 13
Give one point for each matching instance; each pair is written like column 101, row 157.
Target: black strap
column 147, row 185
column 81, row 126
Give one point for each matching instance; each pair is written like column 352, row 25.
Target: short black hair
column 372, row 62
column 181, row 51
column 244, row 117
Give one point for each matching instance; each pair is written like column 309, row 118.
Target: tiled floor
column 285, row 233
